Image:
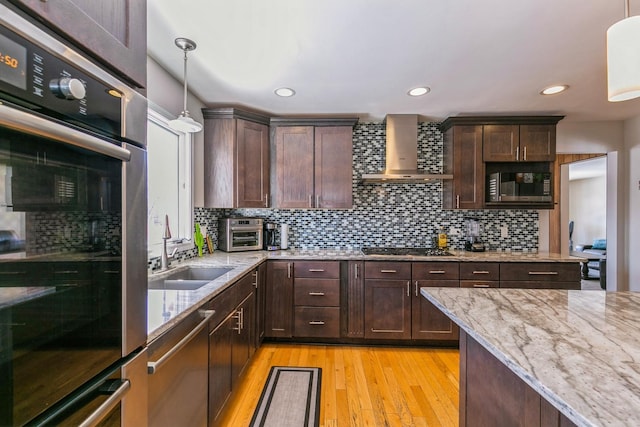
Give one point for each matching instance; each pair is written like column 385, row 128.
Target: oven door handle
column 35, row 125
column 106, row 406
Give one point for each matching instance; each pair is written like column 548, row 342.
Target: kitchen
column 416, row 227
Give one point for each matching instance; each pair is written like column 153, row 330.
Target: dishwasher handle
column 152, row 367
column 106, row 406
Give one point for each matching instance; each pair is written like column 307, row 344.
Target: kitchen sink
column 188, row 279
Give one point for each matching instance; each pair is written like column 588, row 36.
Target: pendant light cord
column 185, row 112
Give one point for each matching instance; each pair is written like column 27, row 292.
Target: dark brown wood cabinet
column 353, row 304
column 519, row 143
column 479, row 275
column 261, row 290
column 428, row 322
column 236, row 158
column 387, row 300
column 232, row 342
column 313, row 166
column 316, row 299
column 492, row 395
column 279, row 300
column 462, row 151
column 112, row 32
column 540, row 275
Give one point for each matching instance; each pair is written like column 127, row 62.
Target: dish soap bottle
column 442, row 238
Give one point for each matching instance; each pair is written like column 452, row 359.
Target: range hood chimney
column 402, row 153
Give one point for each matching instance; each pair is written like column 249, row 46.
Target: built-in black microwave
column 521, row 187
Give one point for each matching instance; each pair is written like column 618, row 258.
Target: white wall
column 632, row 211
column 587, row 208
column 167, row 92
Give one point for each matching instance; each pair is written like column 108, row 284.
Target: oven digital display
column 13, row 63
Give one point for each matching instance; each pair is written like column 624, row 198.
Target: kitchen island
column 572, row 356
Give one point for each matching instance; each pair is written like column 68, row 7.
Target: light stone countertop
column 580, row 350
column 166, row 308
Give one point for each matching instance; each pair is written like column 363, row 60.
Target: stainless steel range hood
column 402, row 153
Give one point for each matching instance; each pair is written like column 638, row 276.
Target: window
column 169, row 183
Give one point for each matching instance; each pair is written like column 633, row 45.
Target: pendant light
column 623, row 58
column 184, row 122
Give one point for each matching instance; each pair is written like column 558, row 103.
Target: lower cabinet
column 428, row 322
column 540, row 275
column 232, row 342
column 387, row 300
column 279, row 300
column 316, row 298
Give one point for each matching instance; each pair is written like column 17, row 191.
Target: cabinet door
column 538, row 143
column 252, row 165
column 354, row 306
column 114, row 31
column 294, row 167
column 463, row 154
column 220, row 363
column 279, row 299
column 501, row 143
column 242, row 347
column 333, row 167
column 261, row 274
column 387, row 309
column 428, row 322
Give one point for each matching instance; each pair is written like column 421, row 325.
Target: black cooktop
column 406, row 251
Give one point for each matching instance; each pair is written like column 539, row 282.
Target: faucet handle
column 167, row 231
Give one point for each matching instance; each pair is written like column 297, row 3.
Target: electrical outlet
column 453, row 231
column 504, row 231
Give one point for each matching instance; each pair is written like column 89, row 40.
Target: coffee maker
column 270, row 236
column 472, row 240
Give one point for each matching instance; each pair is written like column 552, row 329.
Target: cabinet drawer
column 387, row 270
column 317, row 292
column 323, row 322
column 479, row 284
column 540, row 271
column 480, row 271
column 435, row 271
column 318, row 269
column 530, row 284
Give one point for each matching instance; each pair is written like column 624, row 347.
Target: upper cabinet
column 113, row 32
column 236, row 159
column 313, row 163
column 480, row 151
column 519, row 143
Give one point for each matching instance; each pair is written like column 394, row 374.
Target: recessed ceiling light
column 552, row 90
column 285, row 92
column 419, row 91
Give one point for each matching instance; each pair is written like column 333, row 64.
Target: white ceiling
column 360, row 57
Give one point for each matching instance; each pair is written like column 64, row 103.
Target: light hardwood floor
column 362, row 386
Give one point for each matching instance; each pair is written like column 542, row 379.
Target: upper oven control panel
column 34, row 78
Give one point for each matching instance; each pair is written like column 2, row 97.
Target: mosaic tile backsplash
column 390, row 215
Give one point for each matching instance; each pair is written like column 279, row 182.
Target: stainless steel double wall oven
column 72, row 235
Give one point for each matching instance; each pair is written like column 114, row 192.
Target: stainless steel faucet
column 164, row 260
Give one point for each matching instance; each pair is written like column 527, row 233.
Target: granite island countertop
column 580, row 350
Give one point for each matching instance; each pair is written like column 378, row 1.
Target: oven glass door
column 60, row 271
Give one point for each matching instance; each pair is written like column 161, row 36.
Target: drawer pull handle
column 316, row 270
column 316, row 322
column 316, row 294
column 388, row 271
column 543, row 273
column 436, row 271
column 481, row 285
column 480, row 272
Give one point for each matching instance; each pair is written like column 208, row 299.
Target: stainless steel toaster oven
column 240, row 234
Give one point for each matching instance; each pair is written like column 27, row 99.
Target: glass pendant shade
column 623, row 59
column 185, row 124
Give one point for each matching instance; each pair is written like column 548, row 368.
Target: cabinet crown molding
column 499, row 120
column 234, row 113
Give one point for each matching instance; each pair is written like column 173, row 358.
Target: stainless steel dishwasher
column 178, row 373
